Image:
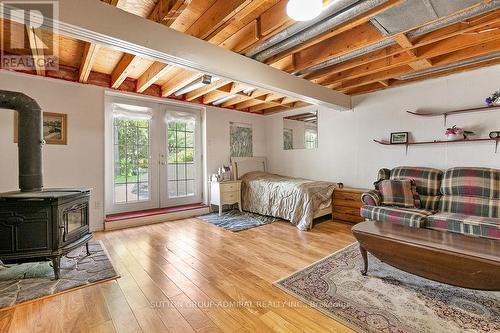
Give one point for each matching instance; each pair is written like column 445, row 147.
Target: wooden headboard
column 243, row 165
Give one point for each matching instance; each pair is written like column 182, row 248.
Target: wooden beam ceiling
column 240, row 25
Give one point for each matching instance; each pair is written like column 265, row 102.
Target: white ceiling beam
column 183, row 50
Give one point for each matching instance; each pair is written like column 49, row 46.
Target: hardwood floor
column 189, row 276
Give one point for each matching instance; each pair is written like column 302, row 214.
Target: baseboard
column 146, row 220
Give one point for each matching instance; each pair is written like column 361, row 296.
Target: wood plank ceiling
column 357, row 53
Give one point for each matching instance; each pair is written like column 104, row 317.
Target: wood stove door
column 74, row 220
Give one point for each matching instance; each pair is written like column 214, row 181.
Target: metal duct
column 454, row 19
column 475, row 60
column 347, row 56
column 329, row 10
column 319, row 28
column 30, row 138
column 415, row 33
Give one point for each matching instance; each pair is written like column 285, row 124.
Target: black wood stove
column 35, row 223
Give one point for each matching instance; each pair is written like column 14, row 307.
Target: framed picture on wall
column 399, row 138
column 55, row 128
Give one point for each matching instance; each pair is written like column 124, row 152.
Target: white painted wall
column 216, row 131
column 347, row 154
column 81, row 162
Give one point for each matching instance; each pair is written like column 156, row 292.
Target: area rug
column 389, row 300
column 28, row 281
column 234, row 220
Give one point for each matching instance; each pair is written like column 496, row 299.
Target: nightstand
column 225, row 193
column 346, row 205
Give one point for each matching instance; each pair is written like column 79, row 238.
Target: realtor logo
column 29, row 37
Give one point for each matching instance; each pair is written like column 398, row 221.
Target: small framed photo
column 399, row 138
column 55, row 126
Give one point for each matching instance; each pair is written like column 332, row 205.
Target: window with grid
column 131, row 160
column 311, row 138
column 181, row 167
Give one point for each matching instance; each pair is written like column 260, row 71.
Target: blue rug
column 235, row 221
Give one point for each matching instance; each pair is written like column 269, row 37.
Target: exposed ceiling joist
column 190, row 96
column 153, row 74
column 122, row 70
column 215, row 18
column 241, row 98
column 88, row 59
column 36, row 46
column 207, row 58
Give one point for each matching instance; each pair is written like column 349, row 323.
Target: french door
column 153, row 155
column 180, row 159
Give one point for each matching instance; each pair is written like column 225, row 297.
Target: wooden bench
column 455, row 259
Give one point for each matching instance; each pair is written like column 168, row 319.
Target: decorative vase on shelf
column 456, row 133
column 454, row 137
column 494, row 99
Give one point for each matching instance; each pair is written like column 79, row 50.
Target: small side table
column 346, row 204
column 225, row 193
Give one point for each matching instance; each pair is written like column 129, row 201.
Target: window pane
column 172, row 155
column 181, row 171
column 190, row 187
column 189, row 155
column 172, row 189
column 172, row 171
column 182, row 188
column 132, row 192
column 181, row 139
column 189, row 139
column 181, row 126
column 120, row 193
column 143, row 191
column 190, row 171
column 131, row 160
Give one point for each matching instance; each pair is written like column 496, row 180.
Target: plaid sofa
column 462, row 200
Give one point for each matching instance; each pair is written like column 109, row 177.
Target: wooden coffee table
column 455, row 259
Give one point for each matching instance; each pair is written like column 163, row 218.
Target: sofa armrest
column 372, row 198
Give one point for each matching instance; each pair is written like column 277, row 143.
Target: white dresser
column 225, row 193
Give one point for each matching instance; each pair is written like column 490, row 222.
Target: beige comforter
column 293, row 199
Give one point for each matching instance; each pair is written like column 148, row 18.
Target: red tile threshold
column 152, row 212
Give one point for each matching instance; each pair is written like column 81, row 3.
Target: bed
column 294, row 199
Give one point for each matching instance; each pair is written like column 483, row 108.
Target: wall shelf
column 453, row 112
column 414, row 143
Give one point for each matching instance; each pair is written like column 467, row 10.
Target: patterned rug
column 389, row 300
column 234, row 220
column 24, row 282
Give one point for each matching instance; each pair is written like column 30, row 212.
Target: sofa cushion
column 428, row 180
column 472, row 182
column 470, row 206
column 411, row 217
column 465, row 224
column 471, row 191
column 401, row 193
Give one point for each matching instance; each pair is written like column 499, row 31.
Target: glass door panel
column 131, row 171
column 183, row 159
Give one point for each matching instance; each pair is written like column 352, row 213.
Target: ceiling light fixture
column 304, row 10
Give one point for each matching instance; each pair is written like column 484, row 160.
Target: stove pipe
column 30, row 139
